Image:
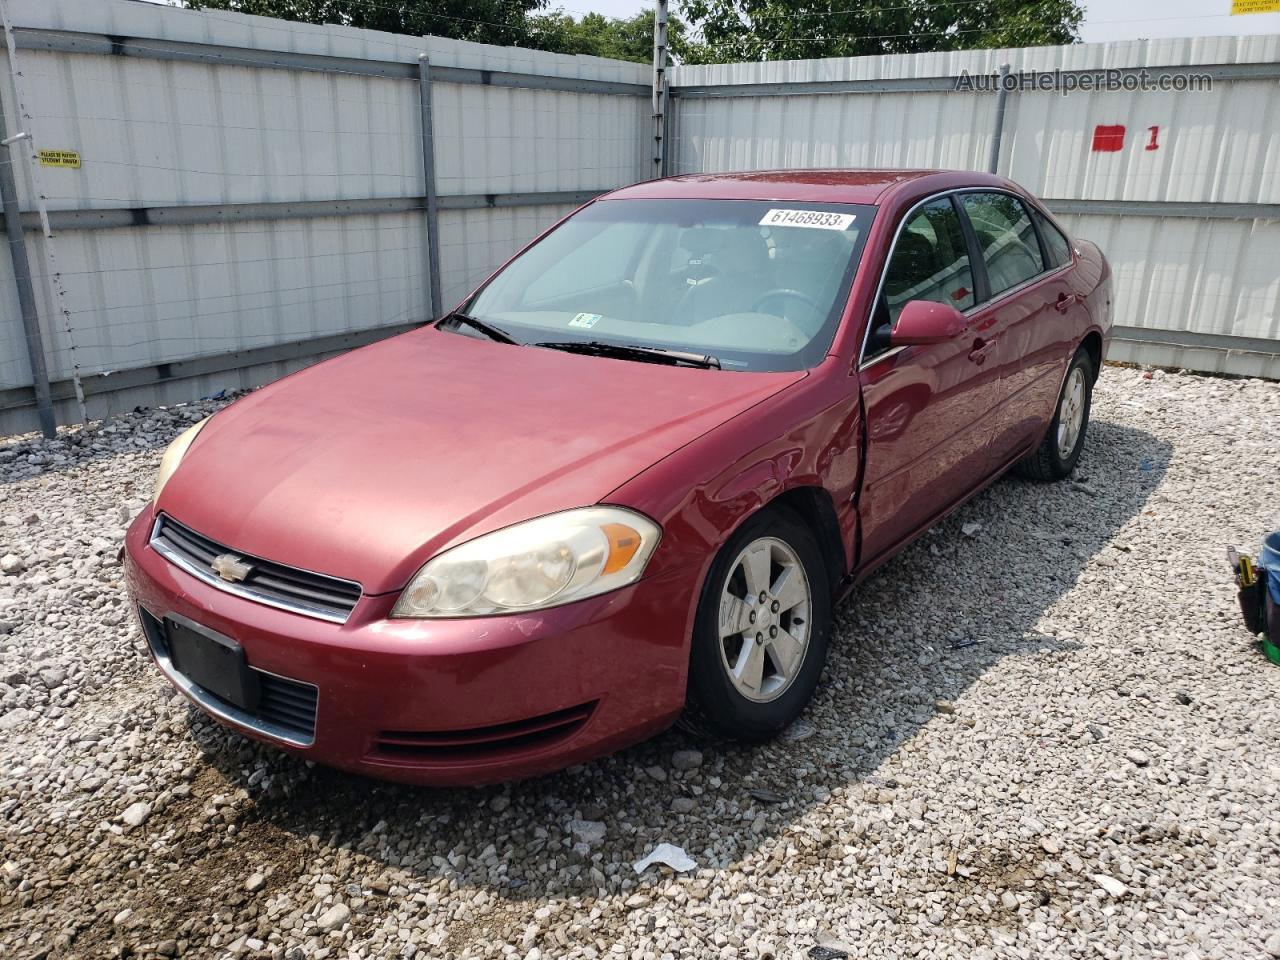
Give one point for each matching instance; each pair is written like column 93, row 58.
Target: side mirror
column 924, row 321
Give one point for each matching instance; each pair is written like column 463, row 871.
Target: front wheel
column 760, row 635
column 1063, row 442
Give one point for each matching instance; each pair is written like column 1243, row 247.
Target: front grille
column 285, row 708
column 275, row 584
column 480, row 743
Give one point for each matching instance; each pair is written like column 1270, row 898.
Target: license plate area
column 212, row 661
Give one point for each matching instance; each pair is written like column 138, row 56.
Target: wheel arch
column 1092, row 344
column 814, row 506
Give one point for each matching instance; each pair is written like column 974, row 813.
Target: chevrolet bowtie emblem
column 230, row 567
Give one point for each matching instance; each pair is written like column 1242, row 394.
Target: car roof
column 822, row 185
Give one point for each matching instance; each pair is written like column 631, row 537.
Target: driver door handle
column 980, row 350
column 1065, row 300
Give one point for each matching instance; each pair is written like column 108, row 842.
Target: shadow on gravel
column 896, row 653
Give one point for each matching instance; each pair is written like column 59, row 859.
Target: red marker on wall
column 1108, row 138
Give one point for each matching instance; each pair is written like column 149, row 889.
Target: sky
column 1104, row 19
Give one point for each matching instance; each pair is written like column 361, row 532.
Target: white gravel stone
column 334, row 917
column 135, row 815
column 587, row 831
column 686, row 759
column 1110, row 884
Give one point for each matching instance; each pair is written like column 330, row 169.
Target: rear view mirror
column 924, row 321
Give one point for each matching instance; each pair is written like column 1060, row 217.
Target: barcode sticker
column 816, row 219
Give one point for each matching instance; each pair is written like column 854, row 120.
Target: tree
column 752, row 30
column 504, row 22
column 600, row 36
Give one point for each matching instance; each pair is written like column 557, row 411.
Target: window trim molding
column 864, row 362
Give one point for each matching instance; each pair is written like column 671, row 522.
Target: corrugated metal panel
column 1220, row 145
column 160, row 394
column 1177, row 273
column 503, row 140
column 14, row 368
column 1079, row 56
column 887, row 130
column 159, row 133
column 1237, row 363
column 149, row 295
column 1211, row 276
column 155, row 295
column 478, row 241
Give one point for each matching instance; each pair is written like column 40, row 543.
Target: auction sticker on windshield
column 819, row 219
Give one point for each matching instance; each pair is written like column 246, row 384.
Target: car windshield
column 753, row 285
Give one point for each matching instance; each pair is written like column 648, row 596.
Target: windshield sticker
column 816, row 219
column 585, row 320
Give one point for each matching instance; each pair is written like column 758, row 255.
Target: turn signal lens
column 540, row 563
column 624, row 541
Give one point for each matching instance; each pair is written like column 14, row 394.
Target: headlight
column 173, row 456
column 536, row 564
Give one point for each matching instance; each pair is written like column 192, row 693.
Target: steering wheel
column 783, row 292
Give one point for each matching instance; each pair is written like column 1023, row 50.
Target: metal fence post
column 429, row 176
column 1002, row 95
column 26, row 291
column 659, row 87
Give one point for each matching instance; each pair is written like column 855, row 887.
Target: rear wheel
column 760, row 636
column 1063, row 442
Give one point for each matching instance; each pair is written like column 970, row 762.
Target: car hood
column 367, row 465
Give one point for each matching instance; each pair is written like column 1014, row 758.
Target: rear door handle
column 980, row 349
column 1065, row 302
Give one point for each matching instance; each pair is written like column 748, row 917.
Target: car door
column 1030, row 292
column 929, row 408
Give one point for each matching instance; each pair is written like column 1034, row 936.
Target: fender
column 771, row 451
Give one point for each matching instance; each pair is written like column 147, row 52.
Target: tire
column 1054, row 459
column 751, row 708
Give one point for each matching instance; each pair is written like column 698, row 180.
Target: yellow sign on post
column 60, row 158
column 1239, row 7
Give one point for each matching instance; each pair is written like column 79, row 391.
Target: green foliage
column 751, row 30
column 727, row 30
column 600, row 36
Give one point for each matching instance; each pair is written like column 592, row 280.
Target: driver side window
column 930, row 261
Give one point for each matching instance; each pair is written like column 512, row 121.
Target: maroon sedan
column 626, row 480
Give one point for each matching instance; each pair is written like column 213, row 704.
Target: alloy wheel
column 764, row 624
column 1071, row 413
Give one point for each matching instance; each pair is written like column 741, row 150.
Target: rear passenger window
column 1006, row 238
column 930, row 261
column 1058, row 246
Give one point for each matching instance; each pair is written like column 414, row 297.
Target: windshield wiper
column 627, row 351
column 482, row 326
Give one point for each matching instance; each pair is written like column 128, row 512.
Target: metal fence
column 252, row 194
column 211, row 200
column 1180, row 187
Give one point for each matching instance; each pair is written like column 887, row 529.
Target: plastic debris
column 971, row 529
column 767, row 796
column 668, row 854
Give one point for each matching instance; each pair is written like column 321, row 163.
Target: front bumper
column 445, row 701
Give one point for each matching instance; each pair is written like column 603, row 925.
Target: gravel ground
column 1097, row 773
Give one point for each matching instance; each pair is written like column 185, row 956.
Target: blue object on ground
column 1269, row 562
